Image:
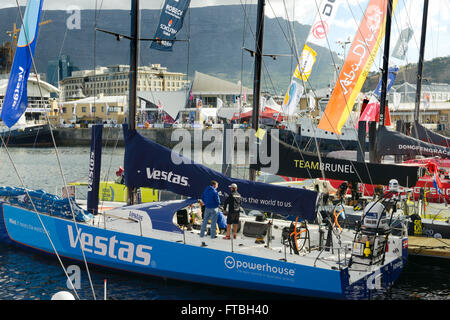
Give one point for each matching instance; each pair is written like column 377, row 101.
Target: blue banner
column 170, row 22
column 391, row 78
column 148, row 164
column 16, row 100
column 95, row 161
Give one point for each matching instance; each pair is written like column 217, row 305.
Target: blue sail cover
column 16, row 100
column 170, row 22
column 148, row 164
column 95, row 161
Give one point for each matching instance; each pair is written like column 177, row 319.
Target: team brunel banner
column 170, row 22
column 16, row 100
column 300, row 164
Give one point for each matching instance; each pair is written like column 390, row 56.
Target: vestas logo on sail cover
column 167, row 176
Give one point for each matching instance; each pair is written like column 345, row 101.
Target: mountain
column 434, row 71
column 216, row 37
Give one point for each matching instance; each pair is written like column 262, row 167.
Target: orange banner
column 359, row 60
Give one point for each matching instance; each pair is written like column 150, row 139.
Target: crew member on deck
column 232, row 208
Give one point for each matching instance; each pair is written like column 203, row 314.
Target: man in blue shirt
column 211, row 200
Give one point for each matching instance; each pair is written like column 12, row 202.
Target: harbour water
column 28, row 276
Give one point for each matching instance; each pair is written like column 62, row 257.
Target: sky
column 407, row 14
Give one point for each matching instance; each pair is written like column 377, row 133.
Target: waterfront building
column 434, row 103
column 113, row 81
column 112, row 109
column 206, row 98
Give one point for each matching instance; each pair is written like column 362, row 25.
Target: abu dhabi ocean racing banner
column 170, row 22
column 357, row 65
column 148, row 164
column 16, row 100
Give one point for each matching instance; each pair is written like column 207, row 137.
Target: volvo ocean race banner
column 318, row 36
column 95, row 160
column 296, row 163
column 357, row 65
column 16, row 101
column 373, row 107
column 148, row 164
column 170, row 22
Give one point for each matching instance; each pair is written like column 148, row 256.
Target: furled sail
column 95, row 160
column 148, row 164
column 317, row 36
column 300, row 164
column 357, row 65
column 170, row 22
column 16, row 100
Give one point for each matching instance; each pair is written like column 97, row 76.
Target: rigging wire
column 56, row 152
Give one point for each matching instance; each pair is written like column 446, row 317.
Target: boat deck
column 117, row 219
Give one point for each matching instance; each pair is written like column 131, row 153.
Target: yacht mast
column 257, row 75
column 387, row 41
column 420, row 64
column 132, row 95
column 134, row 62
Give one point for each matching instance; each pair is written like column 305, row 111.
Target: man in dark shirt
column 232, row 207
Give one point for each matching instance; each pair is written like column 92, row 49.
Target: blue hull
column 153, row 257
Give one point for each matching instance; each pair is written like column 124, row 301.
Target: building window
column 83, row 109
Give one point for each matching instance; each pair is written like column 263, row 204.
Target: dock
column 428, row 246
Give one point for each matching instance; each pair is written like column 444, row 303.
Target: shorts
column 233, row 218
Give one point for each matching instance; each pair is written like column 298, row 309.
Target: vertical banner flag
column 373, row 107
column 16, row 101
column 170, row 22
column 95, row 160
column 401, row 47
column 359, row 60
column 318, row 36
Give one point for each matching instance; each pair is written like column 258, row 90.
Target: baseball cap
column 233, row 185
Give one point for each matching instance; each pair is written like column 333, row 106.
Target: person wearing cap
column 232, row 207
column 211, row 200
column 120, row 178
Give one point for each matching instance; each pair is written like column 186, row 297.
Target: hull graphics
column 28, row 137
column 174, row 260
